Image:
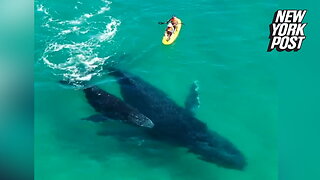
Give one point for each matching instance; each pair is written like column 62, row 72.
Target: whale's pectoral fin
column 193, row 102
column 96, row 118
column 140, row 120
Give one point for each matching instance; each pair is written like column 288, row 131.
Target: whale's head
column 140, row 119
column 215, row 149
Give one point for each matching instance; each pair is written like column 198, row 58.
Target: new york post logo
column 287, row 30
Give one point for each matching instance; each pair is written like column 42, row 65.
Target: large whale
column 177, row 125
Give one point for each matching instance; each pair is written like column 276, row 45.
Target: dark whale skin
column 114, row 108
column 177, row 125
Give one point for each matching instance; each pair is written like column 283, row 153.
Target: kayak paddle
column 167, row 23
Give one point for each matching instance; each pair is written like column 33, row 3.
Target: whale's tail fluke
column 122, row 77
column 115, row 72
column 74, row 84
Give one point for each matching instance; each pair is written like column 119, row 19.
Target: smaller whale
column 109, row 106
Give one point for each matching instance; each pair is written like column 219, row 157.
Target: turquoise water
column 222, row 45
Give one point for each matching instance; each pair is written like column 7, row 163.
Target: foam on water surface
column 70, row 57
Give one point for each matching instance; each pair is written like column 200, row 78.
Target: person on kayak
column 173, row 20
column 169, row 31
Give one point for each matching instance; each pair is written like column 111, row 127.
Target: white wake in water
column 77, row 49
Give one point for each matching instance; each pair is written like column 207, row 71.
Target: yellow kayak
column 174, row 36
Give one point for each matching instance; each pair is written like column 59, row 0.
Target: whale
column 111, row 107
column 178, row 125
column 108, row 106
